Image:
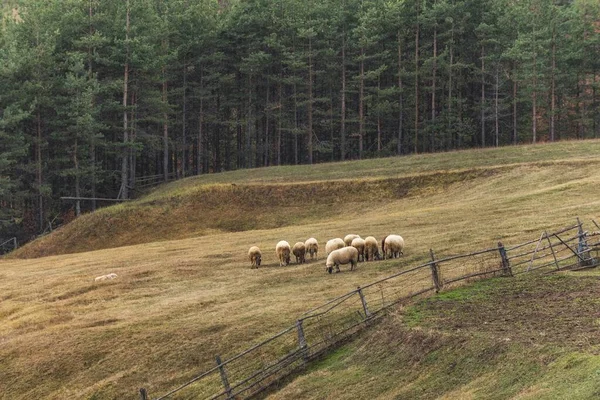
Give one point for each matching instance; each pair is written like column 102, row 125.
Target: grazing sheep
column 334, row 244
column 349, row 238
column 255, row 257
column 359, row 244
column 394, row 244
column 283, row 253
column 299, row 250
column 346, row 255
column 105, row 277
column 312, row 247
column 371, row 249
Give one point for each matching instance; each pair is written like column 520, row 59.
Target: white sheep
column 299, row 250
column 312, row 247
column 255, row 257
column 283, row 253
column 349, row 238
column 392, row 246
column 334, row 244
column 359, row 244
column 346, row 255
column 371, row 249
column 105, row 277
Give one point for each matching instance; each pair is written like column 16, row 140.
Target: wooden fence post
column 224, row 377
column 552, row 249
column 15, row 245
column 435, row 273
column 302, row 339
column 506, row 269
column 364, row 303
column 582, row 247
column 143, row 394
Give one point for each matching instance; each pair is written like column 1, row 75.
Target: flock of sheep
column 351, row 250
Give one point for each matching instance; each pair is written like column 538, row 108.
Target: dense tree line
column 97, row 94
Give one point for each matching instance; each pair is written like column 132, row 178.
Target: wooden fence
column 318, row 330
column 8, row 245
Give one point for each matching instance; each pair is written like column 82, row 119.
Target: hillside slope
column 178, row 303
column 506, row 338
column 267, row 198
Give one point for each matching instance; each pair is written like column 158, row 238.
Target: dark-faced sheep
column 371, row 249
column 394, row 246
column 312, row 247
column 283, row 253
column 255, row 257
column 299, row 251
column 349, row 238
column 346, row 255
column 359, row 244
column 334, row 244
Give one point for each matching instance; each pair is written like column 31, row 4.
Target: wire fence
column 320, row 329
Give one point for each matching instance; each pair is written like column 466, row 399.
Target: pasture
column 185, row 291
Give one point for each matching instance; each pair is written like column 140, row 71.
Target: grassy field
column 184, row 291
column 504, row 338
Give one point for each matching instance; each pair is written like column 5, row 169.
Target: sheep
column 349, row 238
column 283, row 253
column 359, row 244
column 394, row 244
column 334, row 244
column 105, row 277
column 255, row 257
column 342, row 256
column 299, row 250
column 371, row 249
column 312, row 247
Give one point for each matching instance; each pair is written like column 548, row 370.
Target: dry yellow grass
column 175, row 304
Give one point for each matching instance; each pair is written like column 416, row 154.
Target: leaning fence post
column 224, row 377
column 435, row 273
column 364, row 303
column 143, row 394
column 506, row 269
column 302, row 339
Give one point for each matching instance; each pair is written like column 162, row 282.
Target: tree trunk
column 515, row 107
column 482, row 96
column 309, row 133
column 38, row 164
column 343, row 101
column 125, row 152
column 378, row 115
column 184, row 116
column 250, row 126
column 553, row 87
column 400, row 97
column 200, row 138
column 496, row 116
column 433, row 84
column 279, row 122
column 295, row 126
column 361, row 100
column 77, row 179
column 267, row 122
column 416, row 144
column 92, row 138
column 165, row 127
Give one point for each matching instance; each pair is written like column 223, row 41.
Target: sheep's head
column 258, row 260
column 287, row 259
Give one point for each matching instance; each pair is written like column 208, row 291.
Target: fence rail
column 317, row 330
